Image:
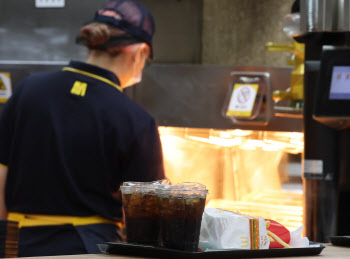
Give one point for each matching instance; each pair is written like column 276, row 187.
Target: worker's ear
column 138, row 51
column 142, row 52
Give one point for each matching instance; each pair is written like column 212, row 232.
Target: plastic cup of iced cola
column 181, row 207
column 140, row 206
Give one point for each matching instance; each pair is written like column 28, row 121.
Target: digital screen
column 340, row 83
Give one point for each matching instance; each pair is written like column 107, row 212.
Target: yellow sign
column 79, row 88
column 5, row 86
column 2, row 85
column 242, row 100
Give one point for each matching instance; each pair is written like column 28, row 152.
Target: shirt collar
column 95, row 70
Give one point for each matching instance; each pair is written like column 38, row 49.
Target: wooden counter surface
column 329, row 252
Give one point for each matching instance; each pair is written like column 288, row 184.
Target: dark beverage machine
column 326, row 163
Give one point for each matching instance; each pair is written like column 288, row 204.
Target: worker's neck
column 114, row 64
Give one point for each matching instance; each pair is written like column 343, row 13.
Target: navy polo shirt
column 69, row 138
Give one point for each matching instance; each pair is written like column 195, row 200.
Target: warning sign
column 242, row 100
column 2, row 85
column 5, row 86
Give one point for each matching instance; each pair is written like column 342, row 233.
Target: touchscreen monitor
column 332, row 90
column 340, row 83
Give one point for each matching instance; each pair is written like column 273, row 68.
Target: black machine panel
column 326, row 138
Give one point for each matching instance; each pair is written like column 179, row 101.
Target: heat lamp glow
column 243, row 170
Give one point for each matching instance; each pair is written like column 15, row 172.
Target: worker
column 70, row 138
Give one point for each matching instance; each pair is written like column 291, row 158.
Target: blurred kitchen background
column 221, row 32
column 252, row 166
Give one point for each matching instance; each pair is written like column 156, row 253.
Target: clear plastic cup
column 141, row 211
column 181, row 208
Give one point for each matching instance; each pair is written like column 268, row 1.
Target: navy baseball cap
column 131, row 17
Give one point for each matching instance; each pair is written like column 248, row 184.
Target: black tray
column 340, row 240
column 157, row 252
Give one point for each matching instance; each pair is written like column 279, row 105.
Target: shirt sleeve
column 144, row 159
column 6, row 117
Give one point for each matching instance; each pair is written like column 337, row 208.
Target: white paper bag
column 222, row 229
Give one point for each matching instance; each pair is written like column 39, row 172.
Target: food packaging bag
column 281, row 237
column 281, row 233
column 221, row 229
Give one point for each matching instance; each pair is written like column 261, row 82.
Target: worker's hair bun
column 95, row 34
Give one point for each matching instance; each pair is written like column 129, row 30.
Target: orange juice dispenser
column 289, row 102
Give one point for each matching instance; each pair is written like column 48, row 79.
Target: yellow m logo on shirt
column 79, row 88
